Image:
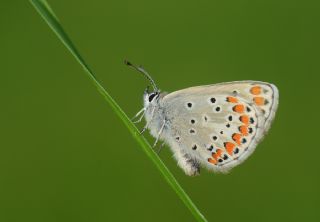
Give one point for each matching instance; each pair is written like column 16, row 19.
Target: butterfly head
column 150, row 98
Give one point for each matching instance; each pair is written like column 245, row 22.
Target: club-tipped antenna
column 144, row 72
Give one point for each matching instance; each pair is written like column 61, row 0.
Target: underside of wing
column 220, row 125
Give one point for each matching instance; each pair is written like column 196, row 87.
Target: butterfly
column 215, row 126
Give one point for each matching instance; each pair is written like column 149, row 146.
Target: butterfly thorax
column 154, row 111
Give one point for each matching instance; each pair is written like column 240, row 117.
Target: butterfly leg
column 190, row 166
column 159, row 133
column 160, row 148
column 139, row 120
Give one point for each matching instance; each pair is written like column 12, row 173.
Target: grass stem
column 52, row 20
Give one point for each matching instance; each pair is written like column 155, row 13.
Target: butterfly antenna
column 144, row 72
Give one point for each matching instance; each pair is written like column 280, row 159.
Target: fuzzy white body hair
column 156, row 115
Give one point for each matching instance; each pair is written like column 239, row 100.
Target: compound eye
column 152, row 96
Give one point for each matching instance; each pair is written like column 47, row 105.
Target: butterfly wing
column 220, row 125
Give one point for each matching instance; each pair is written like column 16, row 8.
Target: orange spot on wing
column 229, row 147
column 259, row 101
column 213, row 161
column 244, row 119
column 244, row 130
column 217, row 154
column 232, row 99
column 256, row 90
column 237, row 138
column 238, row 108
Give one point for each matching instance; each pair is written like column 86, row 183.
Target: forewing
column 220, row 125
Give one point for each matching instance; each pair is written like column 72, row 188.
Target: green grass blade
column 51, row 19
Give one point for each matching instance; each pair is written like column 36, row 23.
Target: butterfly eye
column 152, row 96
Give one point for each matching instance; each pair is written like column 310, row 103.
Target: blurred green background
column 65, row 156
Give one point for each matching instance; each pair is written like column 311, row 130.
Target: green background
column 65, row 156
